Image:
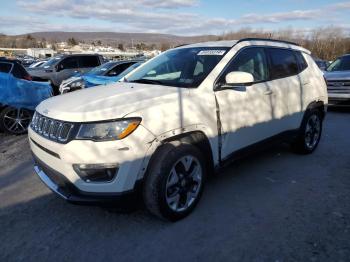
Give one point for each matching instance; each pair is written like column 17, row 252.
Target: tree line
column 324, row 43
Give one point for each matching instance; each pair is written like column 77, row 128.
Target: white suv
column 175, row 120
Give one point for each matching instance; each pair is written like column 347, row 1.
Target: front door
column 246, row 112
column 66, row 69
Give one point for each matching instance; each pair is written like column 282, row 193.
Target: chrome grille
column 52, row 129
column 338, row 86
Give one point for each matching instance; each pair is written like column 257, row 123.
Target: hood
column 337, row 75
column 93, row 80
column 106, row 102
column 39, row 71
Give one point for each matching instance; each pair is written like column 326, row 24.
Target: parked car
column 63, row 67
column 26, row 60
column 38, row 63
column 338, row 81
column 176, row 119
column 322, row 64
column 19, row 96
column 104, row 74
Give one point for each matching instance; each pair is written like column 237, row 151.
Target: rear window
column 283, row 63
column 5, row 67
column 89, row 61
column 19, row 72
column 301, row 61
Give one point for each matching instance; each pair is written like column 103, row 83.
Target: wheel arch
column 201, row 141
column 196, row 137
column 317, row 105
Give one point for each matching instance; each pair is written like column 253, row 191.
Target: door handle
column 268, row 92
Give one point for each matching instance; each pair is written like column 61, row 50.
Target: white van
column 175, row 120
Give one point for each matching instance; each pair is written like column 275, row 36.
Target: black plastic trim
column 256, row 147
column 267, row 40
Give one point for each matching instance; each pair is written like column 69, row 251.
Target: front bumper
column 60, row 185
column 129, row 154
column 338, row 99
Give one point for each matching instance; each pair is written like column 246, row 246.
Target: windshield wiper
column 147, row 81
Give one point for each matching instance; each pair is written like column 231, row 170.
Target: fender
column 177, row 134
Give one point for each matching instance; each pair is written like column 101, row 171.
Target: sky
column 181, row 17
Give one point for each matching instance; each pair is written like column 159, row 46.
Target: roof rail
column 267, row 39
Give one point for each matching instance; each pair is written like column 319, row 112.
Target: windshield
column 102, row 69
column 341, row 64
column 51, row 62
column 184, row 67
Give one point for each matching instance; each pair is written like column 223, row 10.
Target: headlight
column 107, row 131
column 78, row 83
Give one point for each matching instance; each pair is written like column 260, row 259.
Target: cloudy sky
column 183, row 17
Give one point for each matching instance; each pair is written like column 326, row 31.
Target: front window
column 341, row 64
column 184, row 67
column 251, row 60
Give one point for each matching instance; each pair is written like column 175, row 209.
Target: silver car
column 63, row 67
column 337, row 76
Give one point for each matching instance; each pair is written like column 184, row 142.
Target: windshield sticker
column 211, row 52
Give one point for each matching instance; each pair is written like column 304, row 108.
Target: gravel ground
column 273, row 206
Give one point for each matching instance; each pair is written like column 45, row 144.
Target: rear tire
column 174, row 181
column 310, row 133
column 15, row 120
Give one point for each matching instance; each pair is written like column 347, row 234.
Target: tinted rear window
column 5, row 67
column 89, row 61
column 18, row 71
column 283, row 63
column 301, row 61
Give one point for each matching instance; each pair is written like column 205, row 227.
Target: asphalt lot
column 273, row 206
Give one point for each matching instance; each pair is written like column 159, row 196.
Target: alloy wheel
column 312, row 131
column 17, row 120
column 184, row 183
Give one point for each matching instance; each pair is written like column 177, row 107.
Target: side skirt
column 287, row 136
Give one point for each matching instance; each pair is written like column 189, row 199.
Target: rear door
column 286, row 86
column 86, row 63
column 5, row 69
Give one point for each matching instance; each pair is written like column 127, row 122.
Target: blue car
column 19, row 95
column 107, row 73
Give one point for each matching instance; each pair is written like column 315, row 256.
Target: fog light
column 96, row 172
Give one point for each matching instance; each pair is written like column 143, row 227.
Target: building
column 40, row 52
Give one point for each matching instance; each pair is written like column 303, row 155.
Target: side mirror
column 239, row 78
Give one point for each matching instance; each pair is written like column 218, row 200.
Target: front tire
column 310, row 133
column 15, row 120
column 174, row 181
